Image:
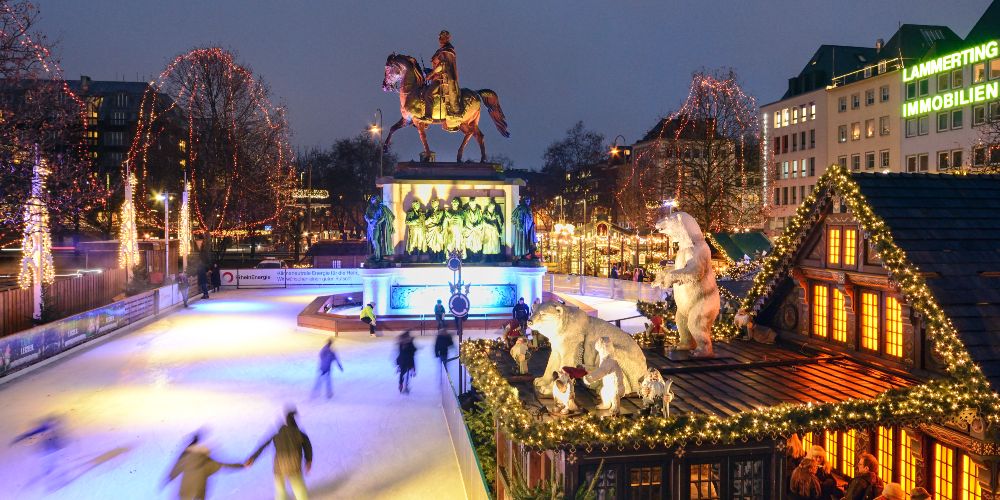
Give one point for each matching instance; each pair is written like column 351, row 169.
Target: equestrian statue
column 435, row 98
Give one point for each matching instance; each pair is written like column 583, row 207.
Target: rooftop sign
column 952, row 61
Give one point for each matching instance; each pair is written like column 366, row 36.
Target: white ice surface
column 230, row 365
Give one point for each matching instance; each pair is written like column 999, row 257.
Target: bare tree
column 234, row 151
column 38, row 108
column 986, row 153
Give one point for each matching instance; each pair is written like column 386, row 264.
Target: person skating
column 442, row 345
column 439, row 314
column 405, row 361
column 216, row 277
column 203, row 278
column 195, row 466
column 368, row 316
column 291, row 447
column 49, row 442
column 183, row 286
column 326, row 359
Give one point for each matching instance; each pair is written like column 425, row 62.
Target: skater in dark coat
column 49, row 440
column 405, row 361
column 203, row 279
column 195, row 466
column 291, row 446
column 326, row 359
column 442, row 345
column 216, row 278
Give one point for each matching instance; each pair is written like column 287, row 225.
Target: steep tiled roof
column 736, row 245
column 988, row 26
column 949, row 227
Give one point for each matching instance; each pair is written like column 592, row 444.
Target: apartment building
column 947, row 96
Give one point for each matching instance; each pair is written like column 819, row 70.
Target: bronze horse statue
column 404, row 75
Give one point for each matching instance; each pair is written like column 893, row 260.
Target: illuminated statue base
column 480, row 184
column 414, row 290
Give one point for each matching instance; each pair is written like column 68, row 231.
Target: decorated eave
column 964, row 393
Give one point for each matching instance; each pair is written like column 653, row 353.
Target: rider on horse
column 443, row 80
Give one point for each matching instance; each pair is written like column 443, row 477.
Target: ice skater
column 195, row 466
column 406, row 362
column 183, row 286
column 216, row 277
column 203, row 278
column 442, row 346
column 291, row 446
column 49, row 440
column 368, row 316
column 326, row 359
column 439, row 314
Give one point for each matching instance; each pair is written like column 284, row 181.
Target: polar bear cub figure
column 610, row 375
column 693, row 281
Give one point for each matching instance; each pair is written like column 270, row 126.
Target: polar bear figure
column 564, row 392
column 693, row 281
column 573, row 334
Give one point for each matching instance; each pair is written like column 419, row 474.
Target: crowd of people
column 620, row 271
column 812, row 478
column 209, row 279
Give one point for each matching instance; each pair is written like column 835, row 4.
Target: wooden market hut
column 885, row 296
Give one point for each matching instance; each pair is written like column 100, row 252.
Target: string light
column 128, row 238
column 184, row 231
column 935, row 401
column 36, row 248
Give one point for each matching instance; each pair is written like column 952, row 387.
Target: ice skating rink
column 230, row 365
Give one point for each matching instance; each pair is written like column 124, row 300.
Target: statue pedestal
column 445, row 181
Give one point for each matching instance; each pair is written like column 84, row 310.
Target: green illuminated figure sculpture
column 454, row 228
column 380, row 228
column 474, row 227
column 492, row 229
column 416, row 228
column 434, row 232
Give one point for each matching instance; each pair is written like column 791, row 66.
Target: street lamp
column 614, row 147
column 165, row 198
column 376, row 129
column 583, row 244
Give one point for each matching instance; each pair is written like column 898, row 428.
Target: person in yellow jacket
column 368, row 316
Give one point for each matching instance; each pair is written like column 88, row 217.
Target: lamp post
column 614, row 154
column 583, row 244
column 165, row 198
column 376, row 129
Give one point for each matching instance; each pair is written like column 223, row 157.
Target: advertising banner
column 263, row 278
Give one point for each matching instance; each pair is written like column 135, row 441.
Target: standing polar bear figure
column 693, row 279
column 573, row 335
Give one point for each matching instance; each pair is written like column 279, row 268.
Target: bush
column 480, row 421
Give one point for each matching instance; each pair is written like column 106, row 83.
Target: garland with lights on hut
column 935, row 401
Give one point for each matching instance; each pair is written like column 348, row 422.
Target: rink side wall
column 46, row 342
column 472, row 473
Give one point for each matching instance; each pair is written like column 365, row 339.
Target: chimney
column 878, row 45
column 84, row 84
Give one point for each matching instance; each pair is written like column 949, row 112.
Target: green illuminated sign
column 946, row 100
column 952, row 61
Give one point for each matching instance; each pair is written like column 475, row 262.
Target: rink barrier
column 468, row 463
column 594, row 286
column 43, row 342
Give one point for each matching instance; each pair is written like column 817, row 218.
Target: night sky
column 616, row 65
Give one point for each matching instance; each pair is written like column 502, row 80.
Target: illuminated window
column 807, row 441
column 851, row 242
column 893, row 327
column 832, row 448
column 885, row 449
column 839, row 316
column 820, row 310
column 869, row 321
column 944, row 467
column 847, row 458
column 645, row 482
column 907, row 463
column 833, row 249
column 970, row 480
column 704, row 482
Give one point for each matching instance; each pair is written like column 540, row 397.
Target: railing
column 593, row 286
column 42, row 342
column 468, row 463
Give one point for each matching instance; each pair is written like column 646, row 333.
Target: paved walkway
column 230, row 364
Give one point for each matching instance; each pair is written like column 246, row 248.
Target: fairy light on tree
column 234, row 149
column 36, row 261
column 184, row 230
column 128, row 237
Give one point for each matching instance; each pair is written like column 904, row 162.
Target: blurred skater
column 405, row 361
column 291, row 446
column 195, row 466
column 326, row 359
column 49, row 440
column 183, row 286
column 442, row 345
